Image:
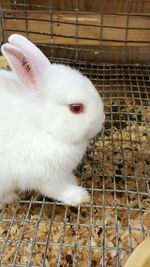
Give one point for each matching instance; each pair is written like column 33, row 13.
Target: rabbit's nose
column 103, row 117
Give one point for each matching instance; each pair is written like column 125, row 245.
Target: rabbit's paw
column 9, row 197
column 75, row 196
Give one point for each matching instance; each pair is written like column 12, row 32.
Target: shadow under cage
column 109, row 41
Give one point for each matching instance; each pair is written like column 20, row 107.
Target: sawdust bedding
column 114, row 170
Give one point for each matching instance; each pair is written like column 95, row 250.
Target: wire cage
column 109, row 41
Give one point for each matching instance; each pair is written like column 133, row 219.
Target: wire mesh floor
column 35, row 231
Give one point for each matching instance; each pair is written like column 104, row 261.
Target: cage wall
column 109, row 41
column 96, row 31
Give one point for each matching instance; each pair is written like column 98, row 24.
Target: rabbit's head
column 66, row 104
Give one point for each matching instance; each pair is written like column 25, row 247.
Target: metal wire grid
column 117, row 84
column 128, row 48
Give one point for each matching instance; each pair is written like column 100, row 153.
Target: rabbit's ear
column 29, row 49
column 27, row 61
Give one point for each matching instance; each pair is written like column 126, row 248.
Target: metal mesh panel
column 97, row 31
column 36, row 231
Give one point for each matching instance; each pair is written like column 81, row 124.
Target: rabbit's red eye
column 76, row 108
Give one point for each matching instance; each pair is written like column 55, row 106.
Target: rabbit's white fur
column 41, row 140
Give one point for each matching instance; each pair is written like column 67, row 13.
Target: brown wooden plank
column 115, row 55
column 107, row 7
column 61, row 29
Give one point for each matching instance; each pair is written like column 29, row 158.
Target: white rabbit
column 48, row 112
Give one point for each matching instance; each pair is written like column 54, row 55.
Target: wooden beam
column 108, row 7
column 62, row 28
